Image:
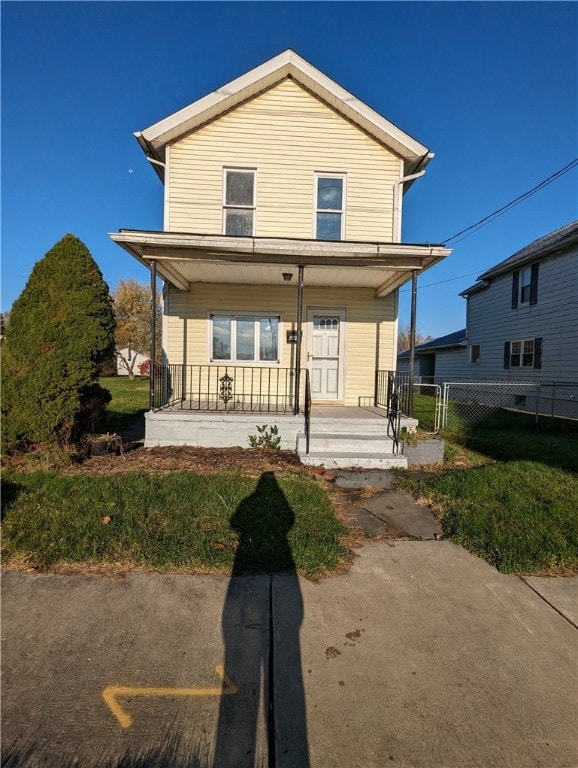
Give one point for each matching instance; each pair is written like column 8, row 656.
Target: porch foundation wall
column 166, row 428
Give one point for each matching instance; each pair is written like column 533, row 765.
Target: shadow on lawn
column 509, row 436
column 9, row 493
column 257, row 658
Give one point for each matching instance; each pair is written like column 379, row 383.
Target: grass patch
column 520, row 516
column 130, row 399
column 515, row 503
column 180, row 520
column 503, row 435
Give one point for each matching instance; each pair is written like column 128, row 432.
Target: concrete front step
column 346, row 442
column 324, row 425
column 345, row 460
column 363, row 426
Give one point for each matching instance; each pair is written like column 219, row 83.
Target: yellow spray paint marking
column 112, row 693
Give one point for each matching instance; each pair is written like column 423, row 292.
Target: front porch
column 217, row 406
column 257, row 330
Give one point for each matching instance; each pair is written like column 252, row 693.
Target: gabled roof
column 455, row 339
column 543, row 246
column 288, row 64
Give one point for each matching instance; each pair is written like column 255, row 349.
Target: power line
column 500, row 211
column 449, row 280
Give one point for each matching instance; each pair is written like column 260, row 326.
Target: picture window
column 245, row 338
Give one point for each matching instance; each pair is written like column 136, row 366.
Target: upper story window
column 330, row 206
column 475, row 353
column 525, row 280
column 525, row 286
column 239, row 202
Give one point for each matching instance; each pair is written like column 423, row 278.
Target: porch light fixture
column 287, row 276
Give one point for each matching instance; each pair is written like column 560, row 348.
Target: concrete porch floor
column 347, row 412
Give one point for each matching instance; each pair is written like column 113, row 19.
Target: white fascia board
column 266, row 75
column 277, row 246
column 164, row 271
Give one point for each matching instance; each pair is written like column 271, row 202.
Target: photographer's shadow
column 261, row 619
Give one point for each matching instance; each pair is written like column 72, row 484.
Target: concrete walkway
column 422, row 656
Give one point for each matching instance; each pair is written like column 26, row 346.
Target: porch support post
column 298, row 346
column 412, row 340
column 153, row 331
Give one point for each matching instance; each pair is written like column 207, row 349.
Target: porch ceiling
column 184, row 258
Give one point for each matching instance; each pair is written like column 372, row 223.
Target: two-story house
column 522, row 329
column 522, row 314
column 281, row 258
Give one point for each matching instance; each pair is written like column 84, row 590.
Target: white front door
column 325, row 353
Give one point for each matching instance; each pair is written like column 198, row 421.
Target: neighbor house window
column 245, row 338
column 526, row 353
column 475, row 353
column 525, row 280
column 515, row 354
column 525, row 286
column 239, row 202
column 329, row 206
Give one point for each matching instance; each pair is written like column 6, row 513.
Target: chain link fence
column 470, row 403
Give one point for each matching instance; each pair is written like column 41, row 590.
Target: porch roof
column 185, row 258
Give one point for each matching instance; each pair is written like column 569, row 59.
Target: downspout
column 397, row 205
column 398, row 195
column 154, row 309
column 159, row 162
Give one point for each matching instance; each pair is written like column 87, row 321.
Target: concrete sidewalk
column 421, row 656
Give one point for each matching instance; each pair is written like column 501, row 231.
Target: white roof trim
column 169, row 248
column 286, row 64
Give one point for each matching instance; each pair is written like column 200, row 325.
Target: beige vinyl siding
column 369, row 331
column 287, row 135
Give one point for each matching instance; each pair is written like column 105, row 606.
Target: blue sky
column 491, row 88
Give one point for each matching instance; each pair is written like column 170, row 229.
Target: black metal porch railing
column 390, row 383
column 393, row 391
column 228, row 388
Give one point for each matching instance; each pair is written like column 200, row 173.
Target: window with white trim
column 475, row 353
column 525, row 285
column 239, row 338
column 329, row 206
column 522, row 353
column 239, row 202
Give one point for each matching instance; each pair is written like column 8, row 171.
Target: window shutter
column 506, row 354
column 538, row 343
column 515, row 282
column 534, row 284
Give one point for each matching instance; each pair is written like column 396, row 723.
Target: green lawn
column 513, row 499
column 213, row 522
column 130, row 399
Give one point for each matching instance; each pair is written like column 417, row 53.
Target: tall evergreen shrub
column 61, row 330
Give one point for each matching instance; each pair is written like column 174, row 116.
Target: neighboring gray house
column 522, row 315
column 521, row 320
column 437, row 358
